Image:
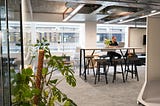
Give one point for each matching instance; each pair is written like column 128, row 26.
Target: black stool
column 133, row 62
column 116, row 62
column 103, row 63
column 89, row 61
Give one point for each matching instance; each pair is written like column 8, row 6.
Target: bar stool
column 133, row 62
column 116, row 62
column 89, row 64
column 104, row 63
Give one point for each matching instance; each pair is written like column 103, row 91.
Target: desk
column 83, row 50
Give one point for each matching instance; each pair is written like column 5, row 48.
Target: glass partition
column 9, row 41
column 5, row 86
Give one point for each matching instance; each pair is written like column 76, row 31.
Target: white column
column 82, row 36
column 90, row 34
column 33, row 33
column 150, row 93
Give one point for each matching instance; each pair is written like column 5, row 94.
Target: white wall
column 135, row 38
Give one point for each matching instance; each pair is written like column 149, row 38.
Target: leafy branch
column 24, row 88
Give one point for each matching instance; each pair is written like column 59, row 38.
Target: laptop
column 121, row 44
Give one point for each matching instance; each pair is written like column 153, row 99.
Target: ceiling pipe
column 73, row 13
column 99, row 9
column 65, row 12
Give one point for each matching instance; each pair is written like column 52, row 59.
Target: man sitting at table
column 113, row 54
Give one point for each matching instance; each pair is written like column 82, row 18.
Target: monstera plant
column 29, row 88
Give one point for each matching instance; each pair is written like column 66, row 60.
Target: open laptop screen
column 121, row 44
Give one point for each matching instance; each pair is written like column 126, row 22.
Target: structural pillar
column 90, row 34
column 150, row 93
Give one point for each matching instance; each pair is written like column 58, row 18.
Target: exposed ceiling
column 104, row 11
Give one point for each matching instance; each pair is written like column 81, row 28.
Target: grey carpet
column 86, row 93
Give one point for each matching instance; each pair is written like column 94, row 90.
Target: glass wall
column 9, row 39
column 107, row 31
column 1, row 68
column 5, row 86
column 14, row 36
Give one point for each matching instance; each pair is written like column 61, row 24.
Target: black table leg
column 114, row 74
column 80, row 65
column 84, row 63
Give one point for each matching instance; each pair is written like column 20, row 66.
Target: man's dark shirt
column 113, row 44
column 113, row 54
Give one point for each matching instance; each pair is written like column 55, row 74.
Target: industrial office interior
column 84, row 24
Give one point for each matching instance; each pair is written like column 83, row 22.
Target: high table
column 83, row 54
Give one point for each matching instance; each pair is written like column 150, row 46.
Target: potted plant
column 40, row 88
column 107, row 42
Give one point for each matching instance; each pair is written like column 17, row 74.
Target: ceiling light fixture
column 73, row 12
column 156, row 13
column 153, row 11
column 121, row 22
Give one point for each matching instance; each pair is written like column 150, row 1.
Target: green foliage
column 23, row 83
column 106, row 41
column 22, row 87
column 43, row 44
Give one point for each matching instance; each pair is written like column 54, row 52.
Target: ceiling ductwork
column 119, row 10
column 114, row 12
column 89, row 8
column 104, row 11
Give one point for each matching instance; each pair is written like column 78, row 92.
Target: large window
column 106, row 32
column 62, row 38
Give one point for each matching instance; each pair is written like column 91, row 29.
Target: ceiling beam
column 73, row 12
column 132, row 16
